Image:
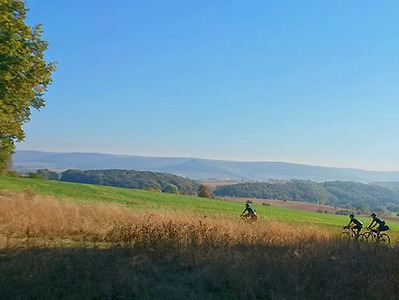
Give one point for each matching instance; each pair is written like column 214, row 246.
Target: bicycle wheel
column 367, row 237
column 363, row 237
column 384, row 239
column 345, row 236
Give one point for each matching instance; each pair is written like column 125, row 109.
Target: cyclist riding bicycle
column 358, row 225
column 251, row 212
column 381, row 225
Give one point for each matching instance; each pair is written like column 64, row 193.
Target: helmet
column 373, row 214
column 351, row 215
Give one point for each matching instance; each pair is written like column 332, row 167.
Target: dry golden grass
column 52, row 249
column 29, row 219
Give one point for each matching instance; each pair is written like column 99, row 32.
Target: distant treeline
column 377, row 196
column 348, row 194
column 127, row 179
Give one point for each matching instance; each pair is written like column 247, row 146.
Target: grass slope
column 150, row 201
column 88, row 246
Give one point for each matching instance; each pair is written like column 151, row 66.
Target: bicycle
column 249, row 218
column 371, row 236
column 349, row 234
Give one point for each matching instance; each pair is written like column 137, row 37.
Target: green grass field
column 149, row 201
column 77, row 249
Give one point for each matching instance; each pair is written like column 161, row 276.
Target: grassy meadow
column 149, row 201
column 73, row 241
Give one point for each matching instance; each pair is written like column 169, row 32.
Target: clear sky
column 313, row 82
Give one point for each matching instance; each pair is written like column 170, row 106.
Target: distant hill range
column 195, row 168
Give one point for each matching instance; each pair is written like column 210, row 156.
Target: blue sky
column 311, row 82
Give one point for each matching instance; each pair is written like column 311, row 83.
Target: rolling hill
column 194, row 168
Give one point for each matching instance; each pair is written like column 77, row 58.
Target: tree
column 203, row 191
column 24, row 75
column 46, row 173
column 170, row 188
column 36, row 176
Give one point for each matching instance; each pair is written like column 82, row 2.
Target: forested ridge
column 348, row 194
column 377, row 196
column 127, row 179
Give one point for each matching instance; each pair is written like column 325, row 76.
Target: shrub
column 170, row 188
column 343, row 212
column 46, row 173
column 12, row 173
column 36, row 176
column 203, row 191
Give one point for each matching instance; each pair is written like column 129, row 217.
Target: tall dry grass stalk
column 29, row 219
column 170, row 255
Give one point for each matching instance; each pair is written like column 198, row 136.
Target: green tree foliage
column 351, row 195
column 203, row 191
column 132, row 179
column 24, row 75
column 36, row 176
column 360, row 195
column 170, row 188
column 298, row 190
column 46, row 173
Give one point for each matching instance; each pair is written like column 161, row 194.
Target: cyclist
column 358, row 225
column 381, row 225
column 251, row 213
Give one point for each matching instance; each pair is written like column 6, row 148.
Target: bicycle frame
column 382, row 239
column 351, row 232
column 249, row 218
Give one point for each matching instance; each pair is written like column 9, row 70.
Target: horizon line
column 212, row 159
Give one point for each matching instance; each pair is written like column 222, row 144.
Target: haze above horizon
column 197, row 158
column 310, row 82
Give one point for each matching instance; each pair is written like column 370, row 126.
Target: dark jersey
column 379, row 221
column 249, row 209
column 356, row 222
